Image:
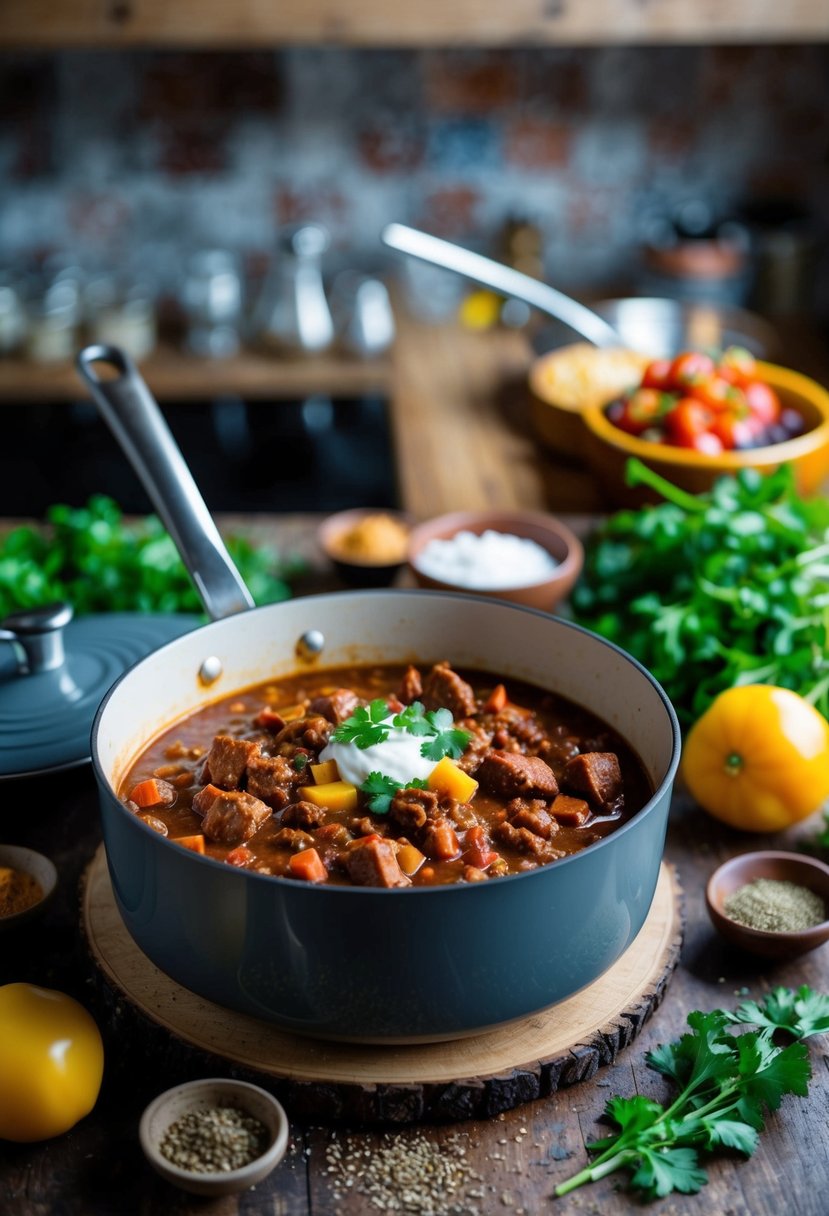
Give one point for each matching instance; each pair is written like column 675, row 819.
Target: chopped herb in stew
column 388, row 777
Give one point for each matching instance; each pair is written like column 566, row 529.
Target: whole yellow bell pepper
column 758, row 758
column 51, row 1062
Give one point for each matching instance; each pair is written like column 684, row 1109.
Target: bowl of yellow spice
column 367, row 546
column 27, row 883
column 771, row 903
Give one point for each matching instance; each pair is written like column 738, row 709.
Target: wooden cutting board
column 473, row 1077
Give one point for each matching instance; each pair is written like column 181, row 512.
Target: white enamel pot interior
column 364, row 963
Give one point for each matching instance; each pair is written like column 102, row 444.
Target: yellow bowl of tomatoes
column 697, row 417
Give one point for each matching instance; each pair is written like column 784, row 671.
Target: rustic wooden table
column 512, row 1162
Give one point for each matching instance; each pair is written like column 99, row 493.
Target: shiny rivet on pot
column 310, row 645
column 210, row 670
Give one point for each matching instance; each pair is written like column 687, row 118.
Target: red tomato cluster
column 693, row 401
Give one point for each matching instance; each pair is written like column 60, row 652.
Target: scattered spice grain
column 405, row 1173
column 18, row 891
column 214, row 1140
column 775, row 905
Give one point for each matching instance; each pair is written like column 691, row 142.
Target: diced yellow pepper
column 409, row 859
column 450, row 781
column 335, row 795
column 325, row 772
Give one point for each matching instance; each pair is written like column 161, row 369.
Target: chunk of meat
column 411, row 686
column 272, row 778
column 526, row 842
column 461, row 813
column 232, row 816
column 516, row 730
column 596, row 776
column 443, row 688
column 337, row 706
column 293, row 839
column 268, row 719
column 311, row 733
column 533, row 815
column 570, row 812
column 480, row 740
column 439, row 841
column 512, row 774
column 410, row 808
column 304, row 815
column 228, row 758
column 374, row 864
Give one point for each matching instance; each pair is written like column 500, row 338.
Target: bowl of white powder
column 526, row 557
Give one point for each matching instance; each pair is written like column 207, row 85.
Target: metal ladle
column 503, row 279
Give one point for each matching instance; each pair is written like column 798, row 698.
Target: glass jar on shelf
column 119, row 314
column 292, row 315
column 212, row 301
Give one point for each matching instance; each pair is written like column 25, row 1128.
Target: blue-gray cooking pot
column 355, row 962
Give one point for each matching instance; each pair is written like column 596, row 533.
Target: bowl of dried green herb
column 771, row 903
column 214, row 1137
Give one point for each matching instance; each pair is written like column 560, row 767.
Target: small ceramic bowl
column 608, row 448
column 40, row 868
column 214, row 1091
column 788, row 867
column 545, row 530
column 360, row 544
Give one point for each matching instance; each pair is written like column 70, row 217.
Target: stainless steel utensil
column 503, row 279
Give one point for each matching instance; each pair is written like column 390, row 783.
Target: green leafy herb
column 726, row 1083
column 381, row 789
column 365, row 727
column 718, row 589
column 801, row 1014
column 90, row 557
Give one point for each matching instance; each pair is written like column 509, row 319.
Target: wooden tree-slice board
column 466, row 1078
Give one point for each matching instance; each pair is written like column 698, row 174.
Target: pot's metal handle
column 132, row 414
column 503, row 279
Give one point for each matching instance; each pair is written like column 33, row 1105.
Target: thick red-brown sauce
column 177, row 757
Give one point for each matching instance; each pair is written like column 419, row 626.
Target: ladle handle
column 132, row 414
column 503, row 279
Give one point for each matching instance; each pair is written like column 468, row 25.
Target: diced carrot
column 427, row 873
column 239, row 856
column 449, row 781
column 308, row 865
column 476, row 835
column 496, row 700
column 443, row 843
column 364, row 840
column 153, row 792
column 195, row 843
column 325, row 772
column 479, row 857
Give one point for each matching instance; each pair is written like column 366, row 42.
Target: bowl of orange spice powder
column 366, row 545
column 27, row 882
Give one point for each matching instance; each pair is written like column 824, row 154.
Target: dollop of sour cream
column 489, row 562
column 398, row 757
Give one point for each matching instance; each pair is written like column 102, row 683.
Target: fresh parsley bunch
column 90, row 557
column 718, row 589
column 726, row 1083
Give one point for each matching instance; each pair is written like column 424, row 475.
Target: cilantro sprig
column 381, row 790
column 369, row 725
column 727, row 1083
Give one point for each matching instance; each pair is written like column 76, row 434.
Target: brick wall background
column 133, row 159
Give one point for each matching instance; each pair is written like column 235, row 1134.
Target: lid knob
column 37, row 636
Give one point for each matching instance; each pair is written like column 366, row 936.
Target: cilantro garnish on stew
column 369, row 725
column 381, row 789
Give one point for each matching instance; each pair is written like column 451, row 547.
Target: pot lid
column 53, row 676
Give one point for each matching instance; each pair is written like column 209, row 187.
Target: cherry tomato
column 691, row 367
column 733, row 432
column 762, row 401
column 643, row 408
column 687, row 421
column 719, row 395
column 657, row 374
column 737, row 365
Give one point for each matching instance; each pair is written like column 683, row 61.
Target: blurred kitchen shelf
column 250, row 23
column 175, row 376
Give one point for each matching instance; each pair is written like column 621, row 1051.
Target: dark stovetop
column 313, row 455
